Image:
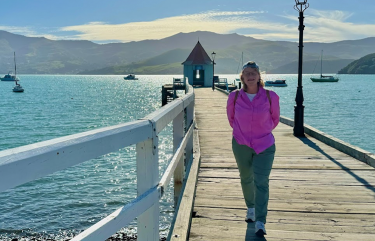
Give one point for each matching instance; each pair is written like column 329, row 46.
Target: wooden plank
column 291, row 205
column 307, row 166
column 282, row 217
column 295, row 186
column 207, row 229
column 300, row 175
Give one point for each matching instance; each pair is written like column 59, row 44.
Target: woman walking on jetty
column 253, row 113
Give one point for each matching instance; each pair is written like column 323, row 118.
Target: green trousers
column 254, row 171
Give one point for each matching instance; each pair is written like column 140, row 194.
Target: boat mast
column 241, row 63
column 321, row 64
column 15, row 67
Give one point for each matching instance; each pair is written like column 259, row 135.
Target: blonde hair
column 260, row 82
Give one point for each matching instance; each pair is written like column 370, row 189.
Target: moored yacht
column 130, row 77
column 277, row 83
column 9, row 77
column 18, row 88
column 324, row 78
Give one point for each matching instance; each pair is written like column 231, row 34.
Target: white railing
column 24, row 164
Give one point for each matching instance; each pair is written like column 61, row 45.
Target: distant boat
column 9, row 77
column 324, row 78
column 130, row 77
column 276, row 83
column 18, row 87
column 237, row 81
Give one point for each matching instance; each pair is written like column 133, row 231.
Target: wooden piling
column 169, row 91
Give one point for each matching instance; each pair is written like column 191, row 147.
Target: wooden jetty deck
column 316, row 191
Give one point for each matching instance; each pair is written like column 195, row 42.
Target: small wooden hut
column 198, row 67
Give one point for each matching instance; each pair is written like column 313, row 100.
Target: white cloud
column 321, row 26
column 331, row 26
column 28, row 31
column 219, row 22
column 18, row 30
column 332, row 15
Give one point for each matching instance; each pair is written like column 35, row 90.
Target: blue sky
column 104, row 21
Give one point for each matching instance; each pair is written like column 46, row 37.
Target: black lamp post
column 298, row 129
column 213, row 70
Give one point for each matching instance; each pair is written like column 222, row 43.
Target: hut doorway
column 198, row 77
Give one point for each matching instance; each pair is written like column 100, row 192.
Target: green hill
column 166, row 63
column 164, row 56
column 364, row 65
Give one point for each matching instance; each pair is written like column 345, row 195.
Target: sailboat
column 10, row 76
column 237, row 80
column 324, row 78
column 18, row 87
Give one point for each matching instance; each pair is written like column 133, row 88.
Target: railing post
column 174, row 89
column 148, row 177
column 185, row 81
column 189, row 121
column 178, row 135
column 164, row 96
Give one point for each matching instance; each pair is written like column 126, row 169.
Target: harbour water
column 65, row 203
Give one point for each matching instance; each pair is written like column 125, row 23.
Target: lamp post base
column 298, row 129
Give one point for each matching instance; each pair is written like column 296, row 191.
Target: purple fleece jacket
column 253, row 121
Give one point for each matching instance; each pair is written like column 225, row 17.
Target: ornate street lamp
column 213, row 70
column 298, row 129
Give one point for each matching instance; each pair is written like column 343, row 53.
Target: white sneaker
column 250, row 215
column 260, row 230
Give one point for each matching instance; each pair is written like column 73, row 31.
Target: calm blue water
column 72, row 200
column 63, row 204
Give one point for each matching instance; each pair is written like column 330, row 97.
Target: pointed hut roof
column 198, row 56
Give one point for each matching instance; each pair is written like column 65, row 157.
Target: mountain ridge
column 38, row 55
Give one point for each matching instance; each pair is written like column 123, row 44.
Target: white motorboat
column 276, row 83
column 130, row 77
column 9, row 77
